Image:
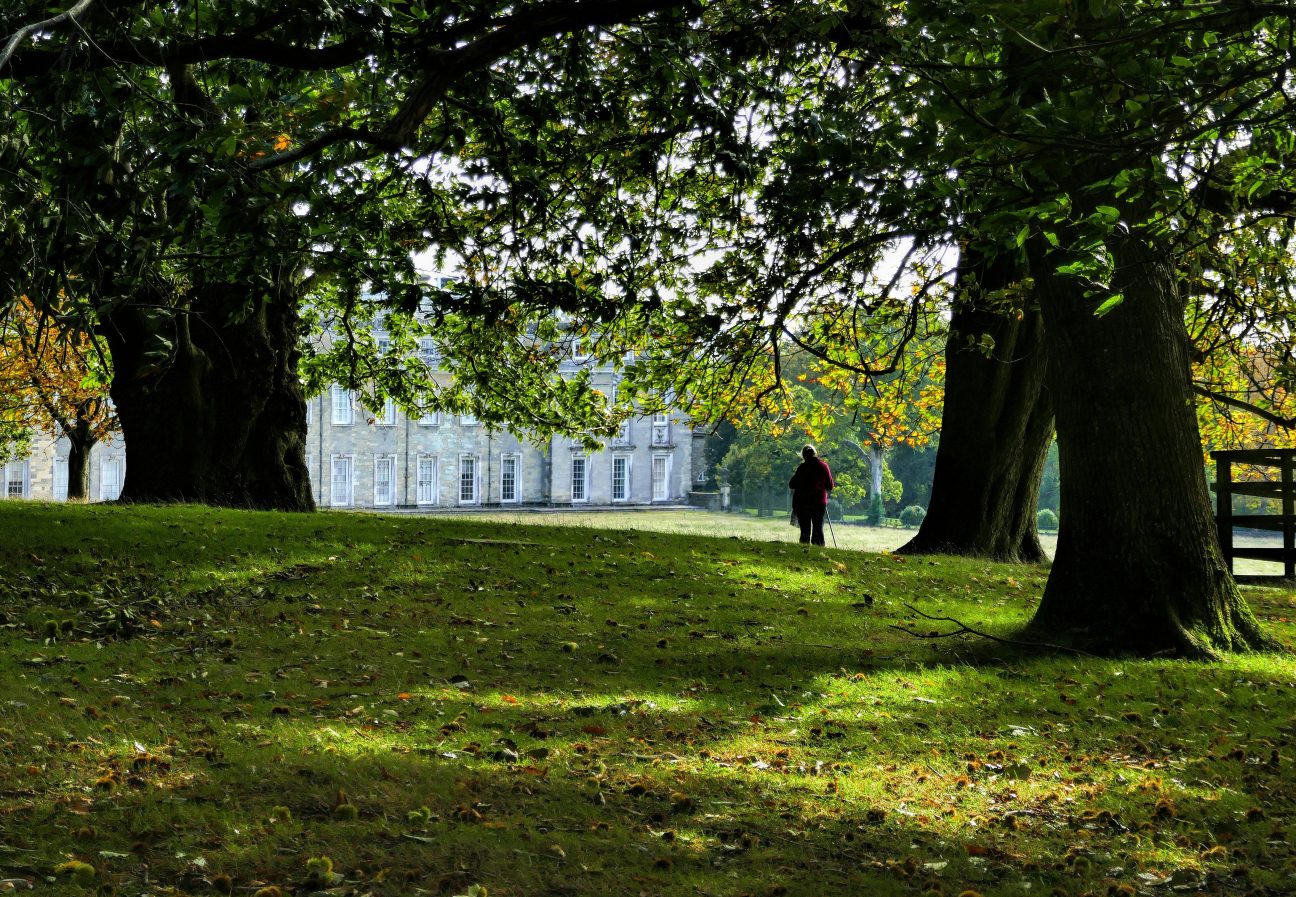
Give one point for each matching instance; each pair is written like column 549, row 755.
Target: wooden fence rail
column 1279, row 482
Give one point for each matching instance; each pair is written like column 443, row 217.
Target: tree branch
column 447, row 67
column 207, row 49
column 1277, row 420
column 964, row 629
column 63, row 18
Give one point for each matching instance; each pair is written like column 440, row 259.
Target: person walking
column 810, row 486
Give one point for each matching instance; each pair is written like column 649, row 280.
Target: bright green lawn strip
column 638, row 712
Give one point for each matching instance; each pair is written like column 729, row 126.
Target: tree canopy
column 696, row 187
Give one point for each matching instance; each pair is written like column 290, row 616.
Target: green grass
column 438, row 703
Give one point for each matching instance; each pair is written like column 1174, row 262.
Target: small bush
column 1046, row 519
column 913, row 515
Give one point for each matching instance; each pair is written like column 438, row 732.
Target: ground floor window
column 509, row 478
column 661, row 477
column 15, row 480
column 384, row 481
column 427, row 480
column 110, row 479
column 340, row 496
column 580, row 478
column 467, row 479
column 621, row 478
column 60, row 479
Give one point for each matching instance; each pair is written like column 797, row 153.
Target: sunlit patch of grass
column 437, row 703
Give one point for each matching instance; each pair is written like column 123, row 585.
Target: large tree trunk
column 995, row 430
column 222, row 421
column 1138, row 566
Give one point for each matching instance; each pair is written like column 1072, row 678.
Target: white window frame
column 386, row 417
column 516, row 460
column 428, row 353
column 583, row 482
column 390, row 499
column 347, row 500
column 627, row 461
column 475, row 498
column 382, row 342
column 662, row 494
column 431, row 419
column 105, row 464
column 60, row 484
column 468, row 420
column 343, row 416
column 426, row 491
column 17, row 471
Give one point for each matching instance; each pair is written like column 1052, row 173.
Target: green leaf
column 1108, row 214
column 1110, row 303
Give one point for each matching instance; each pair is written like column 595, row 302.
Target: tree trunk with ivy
column 1138, row 566
column 219, row 417
column 995, row 429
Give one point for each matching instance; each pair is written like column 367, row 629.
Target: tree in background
column 854, row 420
column 55, row 381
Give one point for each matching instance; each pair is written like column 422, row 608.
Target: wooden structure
column 1278, row 483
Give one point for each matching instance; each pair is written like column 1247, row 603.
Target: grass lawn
column 209, row 702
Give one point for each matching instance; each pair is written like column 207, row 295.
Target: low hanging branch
column 965, row 629
column 15, row 40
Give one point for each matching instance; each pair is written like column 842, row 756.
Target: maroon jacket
column 811, row 484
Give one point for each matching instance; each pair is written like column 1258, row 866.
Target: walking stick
column 828, row 517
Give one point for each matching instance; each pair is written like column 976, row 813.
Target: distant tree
column 913, row 468
column 54, row 380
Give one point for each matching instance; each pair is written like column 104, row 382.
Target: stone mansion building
column 383, row 458
column 387, row 459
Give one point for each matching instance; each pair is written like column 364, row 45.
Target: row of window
column 17, row 479
column 427, row 480
column 343, row 405
column 468, row 480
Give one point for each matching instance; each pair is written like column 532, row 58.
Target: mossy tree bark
column 1138, row 566
column 996, row 425
column 221, row 418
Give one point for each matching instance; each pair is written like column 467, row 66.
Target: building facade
column 361, row 458
column 43, row 473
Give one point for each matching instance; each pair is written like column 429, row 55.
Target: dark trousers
column 811, row 520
